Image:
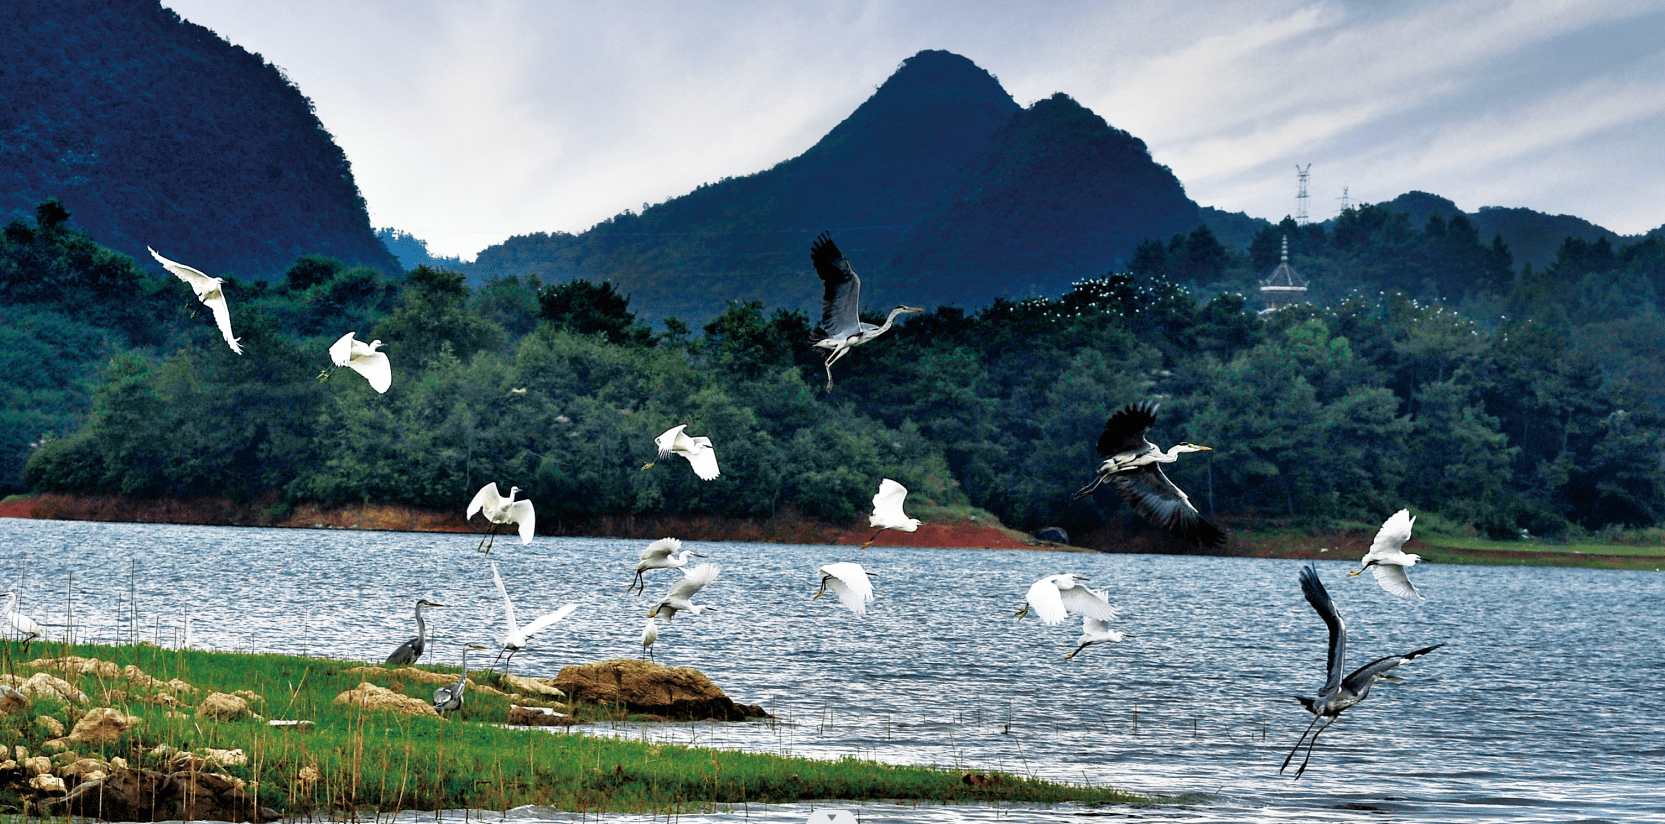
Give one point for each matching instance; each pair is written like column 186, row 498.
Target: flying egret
column 411, row 650
column 1054, row 597
column 500, row 510
column 209, row 292
column 841, row 326
column 23, row 627
column 362, row 358
column 1131, row 463
column 517, row 637
column 1387, row 561
column 682, row 592
column 1338, row 693
column 1095, row 631
column 887, row 511
column 698, row 451
column 850, row 583
column 450, row 699
column 650, row 633
column 661, row 554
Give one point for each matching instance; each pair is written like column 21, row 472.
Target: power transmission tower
column 1301, row 198
column 1345, row 204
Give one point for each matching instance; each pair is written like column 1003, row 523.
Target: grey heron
column 362, row 358
column 849, row 583
column 502, row 510
column 661, row 554
column 517, row 636
column 887, row 511
column 450, row 699
column 682, row 592
column 1095, row 631
column 841, row 326
column 410, row 651
column 1131, row 463
column 698, row 451
column 1387, row 561
column 1338, row 693
column 1054, row 597
column 208, row 290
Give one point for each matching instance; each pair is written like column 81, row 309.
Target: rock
column 178, row 686
column 53, row 726
column 1053, row 534
column 225, row 758
column 640, row 686
column 39, row 765
column 248, row 696
column 538, row 717
column 103, row 725
column 309, row 775
column 290, row 724
column 83, row 769
column 78, row 665
column 47, row 783
column 148, row 795
column 222, row 707
column 50, row 686
column 531, row 686
column 372, row 697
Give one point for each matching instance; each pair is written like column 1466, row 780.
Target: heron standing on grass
column 450, row 699
column 411, row 651
column 841, row 327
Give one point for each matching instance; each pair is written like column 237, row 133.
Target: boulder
column 372, row 697
column 222, row 707
column 102, row 726
column 49, row 686
column 677, row 693
column 148, row 795
column 52, row 726
column 1053, row 534
column 538, row 717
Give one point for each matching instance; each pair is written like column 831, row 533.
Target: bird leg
column 1022, row 613
column 1088, row 489
column 491, row 534
column 639, row 580
column 325, row 375
column 872, row 539
column 822, row 591
column 1310, row 742
column 1298, row 743
column 1077, row 652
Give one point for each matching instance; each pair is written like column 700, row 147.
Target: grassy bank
column 353, row 759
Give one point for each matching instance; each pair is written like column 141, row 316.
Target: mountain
column 939, row 189
column 154, row 131
column 1533, row 237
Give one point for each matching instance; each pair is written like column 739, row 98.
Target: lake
column 1544, row 705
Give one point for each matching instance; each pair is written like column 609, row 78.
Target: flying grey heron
column 362, row 358
column 1339, row 693
column 502, row 510
column 1054, row 597
column 682, row 592
column 887, row 511
column 661, row 554
column 1387, row 561
column 517, row 637
column 1131, row 463
column 698, row 451
column 1095, row 631
column 450, row 699
column 410, row 651
column 208, row 290
column 849, row 583
column 841, row 325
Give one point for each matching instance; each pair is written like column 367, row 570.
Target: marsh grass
column 383, row 762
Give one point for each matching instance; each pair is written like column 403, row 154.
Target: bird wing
column 1395, row 531
column 703, row 458
column 1313, row 588
column 1093, row 626
column 341, row 352
column 486, row 497
column 1392, row 577
column 1153, row 496
column 693, row 580
column 1045, row 599
column 193, row 277
column 850, row 583
column 375, row 368
column 544, row 622
column 667, row 439
column 521, row 512
column 1362, row 677
column 887, row 505
column 841, row 295
column 508, row 606
column 661, row 549
column 215, row 301
column 1125, row 430
column 1083, row 601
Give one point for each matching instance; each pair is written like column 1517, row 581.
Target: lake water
column 1544, row 705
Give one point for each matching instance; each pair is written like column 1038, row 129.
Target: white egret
column 650, row 633
column 1338, row 693
column 362, row 358
column 1095, row 631
column 500, row 510
column 850, row 583
column 1387, row 561
column 698, row 451
column 209, row 291
column 410, row 651
column 1054, row 597
column 450, row 699
column 1131, row 463
column 517, row 637
column 841, row 326
column 887, row 511
column 661, row 554
column 23, row 627
column 682, row 592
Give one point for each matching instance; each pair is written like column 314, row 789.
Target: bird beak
column 817, row 595
column 1355, row 573
column 647, row 466
column 696, row 555
column 1205, row 449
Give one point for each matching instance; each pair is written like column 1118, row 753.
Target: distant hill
column 153, row 130
column 1533, row 237
column 939, row 188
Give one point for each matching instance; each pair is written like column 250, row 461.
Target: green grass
column 385, row 761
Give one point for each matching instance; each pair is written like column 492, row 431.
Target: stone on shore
column 679, row 693
column 372, row 697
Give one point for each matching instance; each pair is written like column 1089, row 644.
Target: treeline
column 1346, row 411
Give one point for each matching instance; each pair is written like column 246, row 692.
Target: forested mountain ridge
column 939, row 188
column 154, row 131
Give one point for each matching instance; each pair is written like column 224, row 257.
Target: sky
column 469, row 122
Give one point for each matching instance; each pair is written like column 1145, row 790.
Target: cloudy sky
column 467, row 122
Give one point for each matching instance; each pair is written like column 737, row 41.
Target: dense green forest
column 1525, row 403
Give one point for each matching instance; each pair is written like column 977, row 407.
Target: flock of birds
column 1130, row 463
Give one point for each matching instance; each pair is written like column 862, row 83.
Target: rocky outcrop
column 372, row 697
column 148, row 795
column 679, row 694
column 225, row 707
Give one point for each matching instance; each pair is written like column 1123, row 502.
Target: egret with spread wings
column 501, row 510
column 362, row 358
column 887, row 511
column 1387, row 561
column 518, row 637
column 209, row 291
column 841, row 326
column 1132, row 464
column 849, row 583
column 698, row 451
column 1055, row 597
column 682, row 592
column 661, row 554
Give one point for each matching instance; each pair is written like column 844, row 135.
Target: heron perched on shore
column 411, row 651
column 1387, row 561
column 450, row 699
column 698, row 451
column 849, row 583
column 1338, row 693
column 1054, row 597
column 661, row 554
column 1132, row 463
column 362, row 358
column 887, row 511
column 682, row 592
column 841, row 326
column 501, row 510
column 209, row 291
column 23, row 627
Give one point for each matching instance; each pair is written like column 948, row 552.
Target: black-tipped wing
column 1313, row 588
column 841, row 298
column 1153, row 496
column 1125, row 430
column 1362, row 677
